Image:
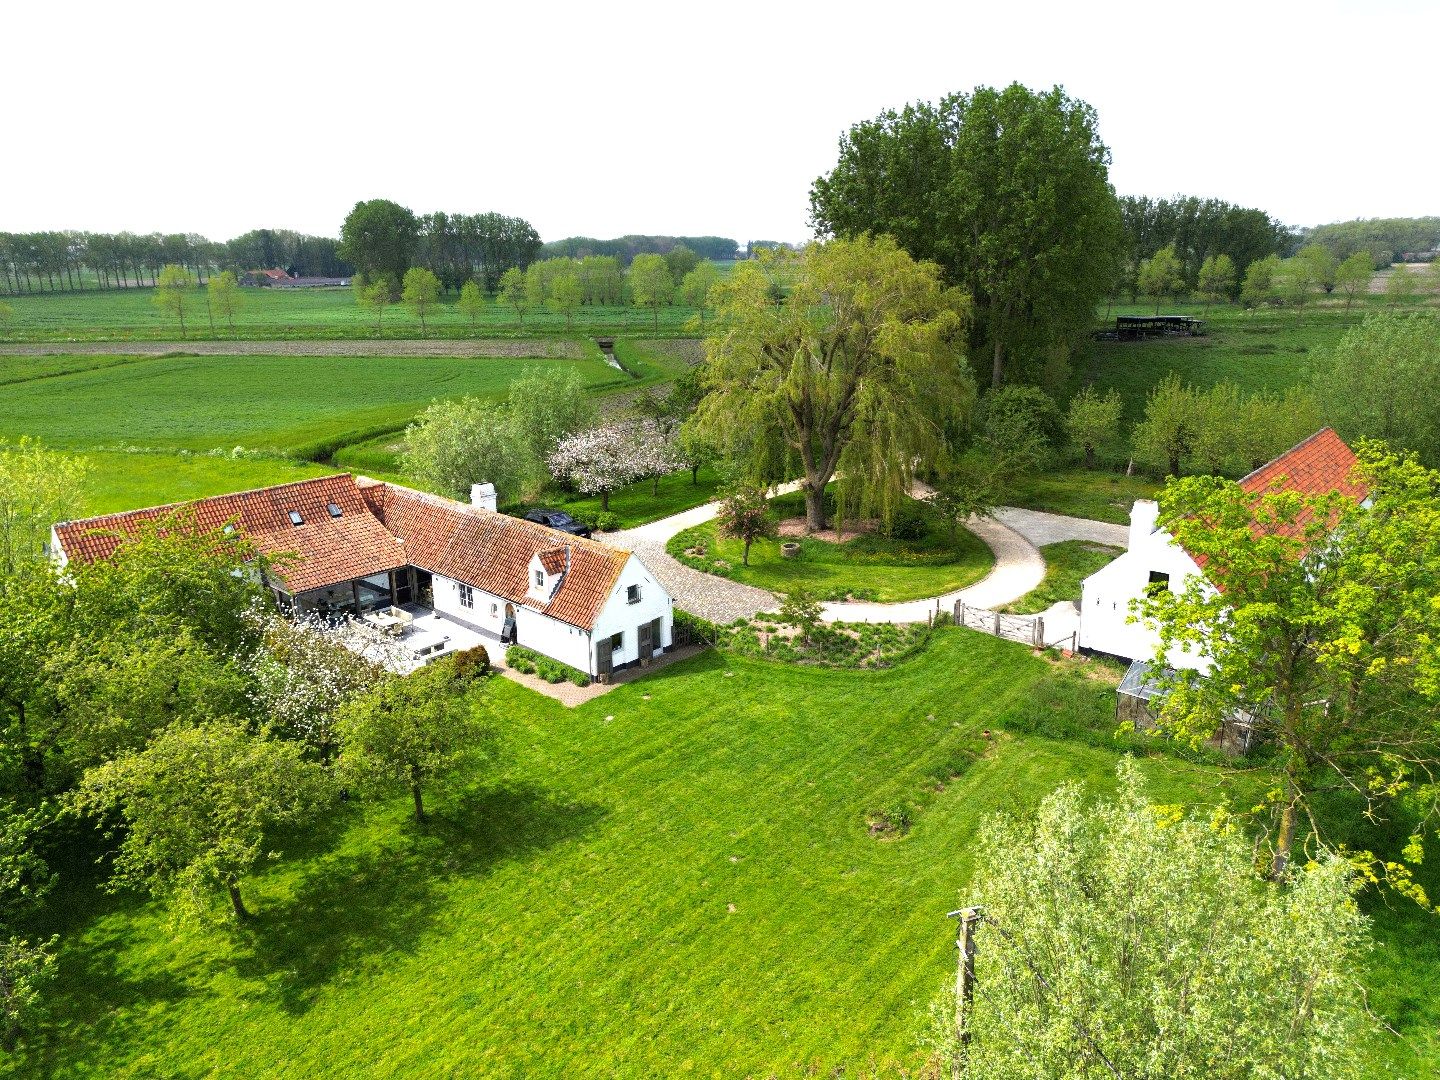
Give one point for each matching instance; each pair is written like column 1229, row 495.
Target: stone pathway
column 1013, row 534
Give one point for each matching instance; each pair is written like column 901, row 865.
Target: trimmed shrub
column 472, row 663
column 530, row 662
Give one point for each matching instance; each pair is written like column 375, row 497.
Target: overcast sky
column 609, row 118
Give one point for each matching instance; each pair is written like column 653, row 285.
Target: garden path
column 1013, row 534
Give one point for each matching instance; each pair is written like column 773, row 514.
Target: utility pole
column 964, row 984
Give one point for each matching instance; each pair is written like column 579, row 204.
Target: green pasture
column 117, row 480
column 1262, row 350
column 131, row 315
column 302, row 406
column 673, row 880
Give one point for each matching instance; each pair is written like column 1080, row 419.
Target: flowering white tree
column 612, row 455
column 302, row 672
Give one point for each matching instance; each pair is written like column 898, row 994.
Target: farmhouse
column 439, row 575
column 1322, row 463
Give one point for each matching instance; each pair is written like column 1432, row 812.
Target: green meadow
column 131, row 315
column 676, row 879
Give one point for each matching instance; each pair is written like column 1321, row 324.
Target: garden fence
column 1027, row 629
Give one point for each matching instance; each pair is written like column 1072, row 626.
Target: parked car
column 558, row 519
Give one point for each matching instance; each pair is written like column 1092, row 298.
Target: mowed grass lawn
column 869, row 567
column 296, row 405
column 683, row 885
column 131, row 314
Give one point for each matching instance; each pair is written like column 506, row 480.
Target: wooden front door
column 604, row 657
column 647, row 640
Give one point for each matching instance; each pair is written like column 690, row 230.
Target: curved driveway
column 1013, row 534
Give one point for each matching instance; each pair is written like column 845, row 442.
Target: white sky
column 607, row 118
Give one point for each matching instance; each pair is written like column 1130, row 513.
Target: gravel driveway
column 1013, row 534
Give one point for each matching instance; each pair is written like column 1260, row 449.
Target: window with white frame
column 467, row 596
column 539, row 578
column 494, row 609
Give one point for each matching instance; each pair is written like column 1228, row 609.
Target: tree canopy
column 378, row 237
column 1125, row 939
column 1382, row 381
column 857, row 369
column 1007, row 191
column 1315, row 613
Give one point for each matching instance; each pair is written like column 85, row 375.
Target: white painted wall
column 619, row 616
column 1108, row 593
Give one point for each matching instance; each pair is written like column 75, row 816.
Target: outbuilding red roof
column 337, row 539
column 350, row 530
column 1317, row 466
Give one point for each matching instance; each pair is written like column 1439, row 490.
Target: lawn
column 1067, row 565
column 301, row 406
column 131, row 314
column 1101, row 495
column 870, row 567
column 640, row 503
column 675, row 879
column 128, row 481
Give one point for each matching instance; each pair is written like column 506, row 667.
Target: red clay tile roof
column 553, row 561
column 381, row 527
column 325, row 549
column 492, row 552
column 1319, row 465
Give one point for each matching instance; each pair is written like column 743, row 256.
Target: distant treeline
column 1199, row 229
column 68, row 261
column 626, row 248
column 1386, row 239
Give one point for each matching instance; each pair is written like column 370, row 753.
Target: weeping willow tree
column 848, row 356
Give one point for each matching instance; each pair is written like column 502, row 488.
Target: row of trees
column 560, row 285
column 382, row 238
column 1195, row 232
column 1385, row 240
column 69, row 261
column 624, row 248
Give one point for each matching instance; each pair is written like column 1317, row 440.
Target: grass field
column 678, row 886
column 1264, row 350
column 117, row 480
column 131, row 314
column 1099, row 494
column 868, row 567
column 295, row 405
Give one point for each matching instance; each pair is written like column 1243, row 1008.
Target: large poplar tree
column 1007, row 190
column 856, row 369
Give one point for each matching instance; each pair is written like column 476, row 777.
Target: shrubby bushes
column 530, row 662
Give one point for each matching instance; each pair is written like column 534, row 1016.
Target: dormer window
column 539, row 579
column 335, row 511
column 295, row 518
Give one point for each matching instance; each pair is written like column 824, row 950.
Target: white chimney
column 483, row 496
column 1143, row 516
